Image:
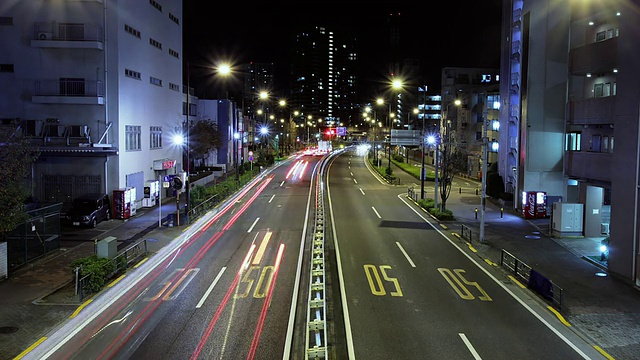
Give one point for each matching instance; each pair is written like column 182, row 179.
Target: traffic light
column 177, row 183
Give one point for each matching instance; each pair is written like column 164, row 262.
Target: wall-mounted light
column 495, row 125
column 615, row 70
column 588, row 75
column 494, row 146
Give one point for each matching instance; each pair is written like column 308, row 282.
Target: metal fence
column 535, row 281
column 115, row 266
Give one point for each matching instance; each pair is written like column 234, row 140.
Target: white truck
column 324, row 147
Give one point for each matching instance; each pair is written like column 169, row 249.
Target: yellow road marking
column 604, row 353
column 444, row 226
column 22, row 354
column 472, row 248
column 75, row 313
column 116, row 280
column 559, row 316
column 516, row 281
column 141, row 262
column 490, row 262
column 456, row 235
column 261, row 249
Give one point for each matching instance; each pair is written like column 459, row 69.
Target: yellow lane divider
column 559, row 316
column 75, row 313
column 604, row 353
column 22, row 354
column 472, row 248
column 490, row 262
column 456, row 235
column 516, row 281
column 443, row 226
column 141, row 262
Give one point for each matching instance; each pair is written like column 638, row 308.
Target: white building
column 96, row 86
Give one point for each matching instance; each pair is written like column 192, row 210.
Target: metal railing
column 78, row 88
column 535, row 281
column 316, row 334
column 117, row 265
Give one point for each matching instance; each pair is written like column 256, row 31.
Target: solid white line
column 252, row 225
column 405, row 254
column 282, row 183
column 361, row 191
column 271, row 199
column 213, row 284
column 472, row 350
column 343, row 292
column 376, row 211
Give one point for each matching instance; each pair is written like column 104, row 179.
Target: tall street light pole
column 422, row 172
column 188, row 145
column 485, row 155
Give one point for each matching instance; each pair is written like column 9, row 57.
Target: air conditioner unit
column 43, row 35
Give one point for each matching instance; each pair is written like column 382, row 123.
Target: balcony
column 67, row 36
column 592, row 111
column 597, row 57
column 588, row 165
column 68, row 91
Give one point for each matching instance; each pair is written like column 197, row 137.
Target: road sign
column 405, row 137
column 250, row 155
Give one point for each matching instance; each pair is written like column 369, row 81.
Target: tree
column 204, row 137
column 451, row 164
column 16, row 157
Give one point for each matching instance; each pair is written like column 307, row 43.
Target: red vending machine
column 121, row 204
column 534, row 204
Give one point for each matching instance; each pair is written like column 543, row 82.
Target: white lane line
column 282, row 183
column 355, row 181
column 472, row 350
column 253, row 225
column 213, row 284
column 272, row 196
column 406, row 255
column 376, row 211
column 361, row 191
column 351, row 174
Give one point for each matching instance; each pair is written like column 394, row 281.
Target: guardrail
column 535, row 281
column 316, row 334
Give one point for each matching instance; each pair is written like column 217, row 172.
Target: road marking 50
column 456, row 283
column 262, row 286
column 375, row 282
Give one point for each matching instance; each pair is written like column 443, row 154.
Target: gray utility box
column 567, row 219
column 108, row 247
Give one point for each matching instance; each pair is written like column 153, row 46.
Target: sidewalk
column 603, row 309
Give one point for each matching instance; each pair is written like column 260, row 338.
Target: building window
column 600, row 36
column 605, row 144
column 155, row 5
column 6, row 68
column 133, row 135
column 132, row 31
column 6, row 20
column 572, row 141
column 156, row 137
column 174, row 53
column 596, row 143
column 174, row 18
column 598, row 90
column 155, row 81
column 132, row 74
column 155, row 43
column 174, row 87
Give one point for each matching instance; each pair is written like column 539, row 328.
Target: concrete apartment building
column 570, row 86
column 97, row 87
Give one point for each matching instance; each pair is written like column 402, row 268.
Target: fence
column 119, row 264
column 534, row 280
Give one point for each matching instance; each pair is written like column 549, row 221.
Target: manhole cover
column 532, row 237
column 8, row 329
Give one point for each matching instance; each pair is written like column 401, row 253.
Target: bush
column 99, row 268
column 398, row 158
column 427, row 203
column 442, row 215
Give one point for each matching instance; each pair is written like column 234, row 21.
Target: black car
column 89, row 210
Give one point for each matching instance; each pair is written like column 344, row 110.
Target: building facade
column 97, row 88
column 570, row 87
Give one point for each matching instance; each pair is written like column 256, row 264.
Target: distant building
column 570, row 87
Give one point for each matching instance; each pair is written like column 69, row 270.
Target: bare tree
column 452, row 162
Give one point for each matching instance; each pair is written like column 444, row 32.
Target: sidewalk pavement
column 602, row 308
column 605, row 310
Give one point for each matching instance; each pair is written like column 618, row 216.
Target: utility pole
column 187, row 182
column 485, row 148
column 422, row 172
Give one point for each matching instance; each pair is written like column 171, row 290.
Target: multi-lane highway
column 236, row 283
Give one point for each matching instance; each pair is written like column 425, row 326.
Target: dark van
column 89, row 210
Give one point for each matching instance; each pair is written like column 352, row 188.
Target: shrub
column 99, row 268
column 427, row 203
column 442, row 215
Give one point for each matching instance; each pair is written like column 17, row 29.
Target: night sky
column 466, row 36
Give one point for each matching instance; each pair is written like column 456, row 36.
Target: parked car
column 89, row 210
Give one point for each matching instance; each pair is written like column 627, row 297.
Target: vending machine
column 151, row 193
column 124, row 205
column 534, row 204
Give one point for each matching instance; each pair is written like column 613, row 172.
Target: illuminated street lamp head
column 264, row 95
column 236, row 136
column 379, row 101
column 264, row 130
column 457, row 102
column 397, row 84
column 178, row 139
column 431, row 139
column 224, row 69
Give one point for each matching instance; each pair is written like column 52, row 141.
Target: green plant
column 442, row 215
column 99, row 270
